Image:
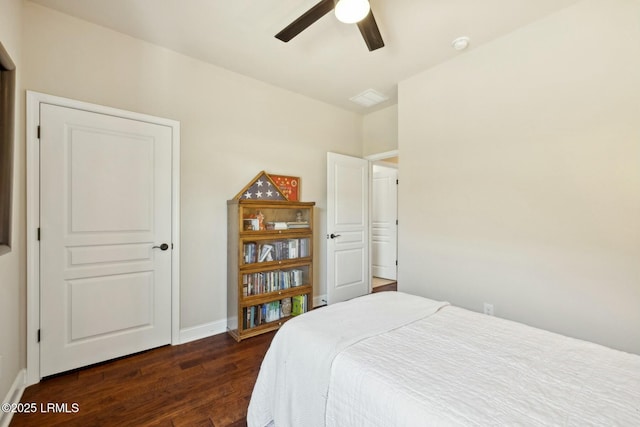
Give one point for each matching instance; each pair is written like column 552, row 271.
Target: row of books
column 270, row 281
column 259, row 314
column 273, row 311
column 275, row 250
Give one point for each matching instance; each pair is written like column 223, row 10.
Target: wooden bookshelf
column 270, row 263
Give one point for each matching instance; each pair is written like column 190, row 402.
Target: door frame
column 34, row 99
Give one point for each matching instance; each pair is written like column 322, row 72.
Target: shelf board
column 269, row 265
column 275, row 233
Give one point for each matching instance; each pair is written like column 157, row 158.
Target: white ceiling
column 329, row 61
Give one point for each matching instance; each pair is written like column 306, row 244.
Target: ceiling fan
column 347, row 11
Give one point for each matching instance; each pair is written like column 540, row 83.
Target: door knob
column 333, row 236
column 162, row 247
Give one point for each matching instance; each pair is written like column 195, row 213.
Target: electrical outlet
column 488, row 309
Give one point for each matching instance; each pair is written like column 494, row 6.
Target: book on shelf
column 251, row 224
column 297, row 224
column 285, row 307
column 297, row 277
column 292, row 248
column 298, row 305
column 272, row 311
column 276, row 225
column 265, row 253
column 303, row 250
column 250, row 254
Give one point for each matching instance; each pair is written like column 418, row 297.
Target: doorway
column 384, row 220
column 349, row 226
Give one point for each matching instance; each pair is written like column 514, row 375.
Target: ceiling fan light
column 352, row 11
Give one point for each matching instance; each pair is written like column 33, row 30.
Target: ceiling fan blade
column 306, row 19
column 370, row 32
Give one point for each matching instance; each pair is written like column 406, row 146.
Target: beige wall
column 232, row 128
column 380, row 131
column 521, row 175
column 12, row 265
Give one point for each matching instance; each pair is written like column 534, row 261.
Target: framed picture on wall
column 288, row 185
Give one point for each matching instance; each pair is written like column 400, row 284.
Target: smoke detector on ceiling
column 461, row 43
column 369, row 98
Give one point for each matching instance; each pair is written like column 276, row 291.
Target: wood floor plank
column 385, row 288
column 203, row 383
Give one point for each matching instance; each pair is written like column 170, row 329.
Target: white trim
column 320, row 300
column 220, row 326
column 203, row 331
column 34, row 99
column 370, row 227
column 385, row 164
column 175, row 233
column 33, row 245
column 13, row 396
column 382, row 156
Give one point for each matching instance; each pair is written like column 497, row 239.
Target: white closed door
column 384, row 214
column 347, row 227
column 105, row 202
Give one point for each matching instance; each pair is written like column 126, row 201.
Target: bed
column 393, row 359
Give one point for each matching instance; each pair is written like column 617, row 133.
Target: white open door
column 348, row 273
column 384, row 215
column 106, row 230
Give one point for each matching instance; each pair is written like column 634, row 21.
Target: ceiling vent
column 369, row 98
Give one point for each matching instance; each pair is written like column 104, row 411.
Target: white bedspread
column 391, row 359
column 461, row 368
column 292, row 386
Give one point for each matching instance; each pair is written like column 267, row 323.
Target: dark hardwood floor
column 203, row 383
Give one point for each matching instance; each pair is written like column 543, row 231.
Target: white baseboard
column 213, row 328
column 320, row 300
column 13, row 396
column 203, row 331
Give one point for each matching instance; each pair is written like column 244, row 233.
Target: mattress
column 392, row 359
